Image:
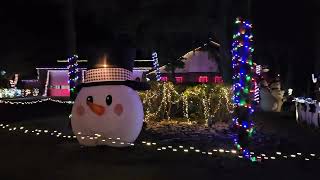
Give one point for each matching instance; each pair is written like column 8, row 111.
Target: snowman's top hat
column 112, row 66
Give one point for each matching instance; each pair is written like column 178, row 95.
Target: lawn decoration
column 271, row 96
column 107, row 104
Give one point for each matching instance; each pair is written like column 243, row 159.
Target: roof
column 188, row 56
column 200, row 48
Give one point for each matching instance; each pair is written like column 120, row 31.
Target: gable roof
column 197, row 60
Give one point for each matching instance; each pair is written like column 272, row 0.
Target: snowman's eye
column 109, row 100
column 90, row 99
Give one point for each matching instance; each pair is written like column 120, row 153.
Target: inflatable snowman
column 278, row 94
column 267, row 101
column 108, row 110
column 271, row 97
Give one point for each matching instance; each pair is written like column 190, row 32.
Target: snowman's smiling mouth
column 97, row 109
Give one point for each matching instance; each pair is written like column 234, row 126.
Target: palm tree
column 172, row 66
column 214, row 54
column 70, row 29
column 223, row 36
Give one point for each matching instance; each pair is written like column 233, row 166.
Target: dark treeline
column 287, row 34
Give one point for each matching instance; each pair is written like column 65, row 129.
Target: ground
column 28, row 156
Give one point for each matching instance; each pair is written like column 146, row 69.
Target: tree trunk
column 70, row 29
column 223, row 36
column 173, row 75
column 317, row 46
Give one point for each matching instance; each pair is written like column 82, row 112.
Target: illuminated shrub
column 187, row 103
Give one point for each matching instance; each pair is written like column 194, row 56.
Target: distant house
column 201, row 66
column 53, row 81
column 141, row 67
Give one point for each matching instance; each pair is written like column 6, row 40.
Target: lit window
column 65, row 87
column 164, row 79
column 218, row 79
column 179, row 79
column 203, row 79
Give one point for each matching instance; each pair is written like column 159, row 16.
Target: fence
column 308, row 111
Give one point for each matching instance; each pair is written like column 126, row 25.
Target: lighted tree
column 156, row 65
column 69, row 20
column 243, row 85
column 73, row 75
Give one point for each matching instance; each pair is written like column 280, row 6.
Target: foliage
column 173, row 65
column 187, row 103
column 4, row 82
column 14, row 92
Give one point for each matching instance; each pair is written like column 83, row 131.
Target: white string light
column 35, row 102
column 156, row 65
column 174, row 148
column 47, row 83
column 169, row 96
column 314, row 79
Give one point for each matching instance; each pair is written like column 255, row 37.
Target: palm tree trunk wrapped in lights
column 71, row 47
column 243, row 85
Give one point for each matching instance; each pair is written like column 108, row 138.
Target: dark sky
column 33, row 32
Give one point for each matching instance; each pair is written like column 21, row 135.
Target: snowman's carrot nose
column 97, row 109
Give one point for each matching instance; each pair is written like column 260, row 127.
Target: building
column 54, row 81
column 141, row 67
column 201, row 65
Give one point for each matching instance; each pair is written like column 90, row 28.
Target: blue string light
column 156, row 65
column 73, row 74
column 243, row 86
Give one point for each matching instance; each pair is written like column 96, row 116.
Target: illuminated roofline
column 58, row 68
column 143, row 60
column 80, row 60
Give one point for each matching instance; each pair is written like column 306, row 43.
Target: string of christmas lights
column 243, row 85
column 169, row 96
column 73, row 74
column 256, row 86
column 213, row 152
column 35, row 102
column 47, row 83
column 156, row 65
column 314, row 79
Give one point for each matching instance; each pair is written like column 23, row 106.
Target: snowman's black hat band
column 133, row 84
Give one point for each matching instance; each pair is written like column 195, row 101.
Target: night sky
column 33, row 32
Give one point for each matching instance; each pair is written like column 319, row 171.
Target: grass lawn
column 27, row 156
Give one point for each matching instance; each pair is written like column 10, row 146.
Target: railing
column 308, row 111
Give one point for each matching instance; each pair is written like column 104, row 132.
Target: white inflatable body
column 278, row 95
column 271, row 100
column 104, row 112
column 267, row 102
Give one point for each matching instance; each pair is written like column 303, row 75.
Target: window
column 179, row 79
column 203, row 79
column 55, row 87
column 59, row 87
column 218, row 79
column 164, row 79
column 65, row 87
